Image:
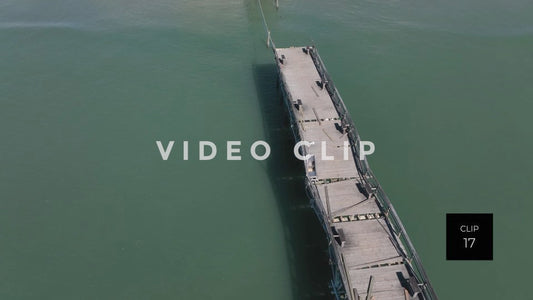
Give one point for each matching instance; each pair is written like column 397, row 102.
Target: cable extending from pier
column 269, row 41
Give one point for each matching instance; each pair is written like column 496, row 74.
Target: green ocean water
column 88, row 210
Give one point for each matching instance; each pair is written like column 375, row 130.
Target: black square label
column 469, row 236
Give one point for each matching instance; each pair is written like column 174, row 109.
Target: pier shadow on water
column 305, row 239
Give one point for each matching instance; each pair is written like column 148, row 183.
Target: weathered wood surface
column 368, row 249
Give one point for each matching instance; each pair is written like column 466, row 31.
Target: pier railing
column 372, row 184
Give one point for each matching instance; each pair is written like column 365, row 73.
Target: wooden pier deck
column 369, row 261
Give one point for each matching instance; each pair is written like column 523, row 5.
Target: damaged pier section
column 370, row 252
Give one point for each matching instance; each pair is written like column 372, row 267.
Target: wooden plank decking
column 369, row 247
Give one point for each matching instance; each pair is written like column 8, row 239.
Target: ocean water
column 88, row 210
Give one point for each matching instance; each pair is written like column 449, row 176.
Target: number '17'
column 469, row 242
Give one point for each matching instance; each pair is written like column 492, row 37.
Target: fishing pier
column 371, row 255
